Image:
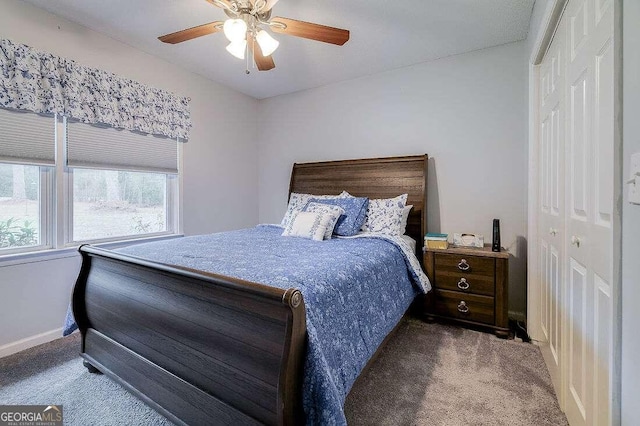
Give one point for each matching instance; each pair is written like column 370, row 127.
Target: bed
column 205, row 347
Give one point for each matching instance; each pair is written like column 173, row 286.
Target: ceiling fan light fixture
column 268, row 44
column 250, row 22
column 235, row 29
column 237, row 48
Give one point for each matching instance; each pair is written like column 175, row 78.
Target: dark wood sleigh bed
column 202, row 348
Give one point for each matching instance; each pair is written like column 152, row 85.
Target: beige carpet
column 431, row 374
column 428, row 374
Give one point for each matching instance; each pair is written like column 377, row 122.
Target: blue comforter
column 355, row 291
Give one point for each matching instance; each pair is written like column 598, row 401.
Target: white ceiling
column 385, row 35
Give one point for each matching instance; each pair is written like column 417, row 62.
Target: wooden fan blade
column 264, row 63
column 190, row 33
column 311, row 31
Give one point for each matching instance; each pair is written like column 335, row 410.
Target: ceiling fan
column 245, row 31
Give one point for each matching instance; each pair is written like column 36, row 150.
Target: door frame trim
column 619, row 187
column 552, row 17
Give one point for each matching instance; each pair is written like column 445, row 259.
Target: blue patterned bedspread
column 355, row 291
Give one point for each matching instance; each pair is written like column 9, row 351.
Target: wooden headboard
column 371, row 178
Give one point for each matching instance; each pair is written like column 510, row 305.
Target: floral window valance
column 44, row 83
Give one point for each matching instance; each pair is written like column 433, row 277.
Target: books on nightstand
column 436, row 241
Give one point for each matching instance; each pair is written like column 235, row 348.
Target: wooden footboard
column 198, row 347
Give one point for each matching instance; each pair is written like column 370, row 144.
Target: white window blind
column 114, row 149
column 27, row 138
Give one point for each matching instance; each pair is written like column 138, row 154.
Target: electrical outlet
column 634, row 179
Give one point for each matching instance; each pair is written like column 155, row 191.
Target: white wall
column 630, row 412
column 34, row 300
column 220, row 160
column 468, row 112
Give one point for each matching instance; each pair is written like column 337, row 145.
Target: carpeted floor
column 428, row 374
column 431, row 374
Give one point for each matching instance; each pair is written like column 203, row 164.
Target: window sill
column 61, row 253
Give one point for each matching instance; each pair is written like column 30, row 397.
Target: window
column 27, row 157
column 109, row 204
column 64, row 183
column 122, row 183
column 20, row 204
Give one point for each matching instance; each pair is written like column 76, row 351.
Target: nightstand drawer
column 470, row 265
column 464, row 306
column 467, row 283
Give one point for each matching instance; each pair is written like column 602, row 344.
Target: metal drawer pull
column 463, row 265
column 462, row 307
column 463, row 284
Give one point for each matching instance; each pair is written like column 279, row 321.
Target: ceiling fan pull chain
column 246, row 57
column 253, row 47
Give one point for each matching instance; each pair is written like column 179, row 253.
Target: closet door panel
column 578, row 147
column 579, row 325
column 554, row 304
column 577, row 344
column 552, row 214
column 603, row 63
column 545, row 295
column 603, row 360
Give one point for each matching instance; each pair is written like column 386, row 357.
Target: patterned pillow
column 308, row 225
column 297, row 203
column 385, row 215
column 405, row 218
column 353, row 217
column 334, row 211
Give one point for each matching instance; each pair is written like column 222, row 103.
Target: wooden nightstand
column 470, row 286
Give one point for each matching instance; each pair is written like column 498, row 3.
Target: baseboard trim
column 29, row 342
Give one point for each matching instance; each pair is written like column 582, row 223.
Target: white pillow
column 297, row 203
column 334, row 211
column 308, row 225
column 405, row 218
column 385, row 215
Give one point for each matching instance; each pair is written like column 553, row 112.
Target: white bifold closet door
column 576, row 202
column 552, row 113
